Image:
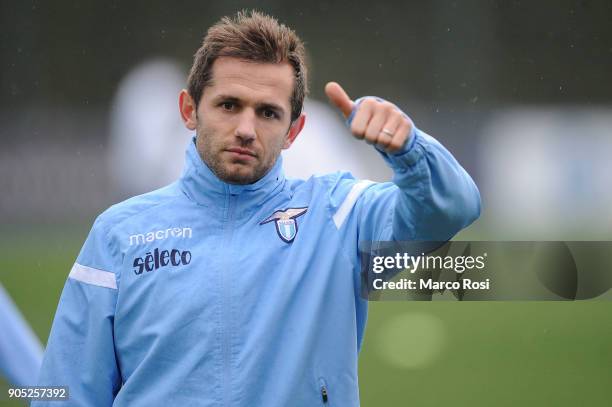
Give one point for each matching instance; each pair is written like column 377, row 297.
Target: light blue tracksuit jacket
column 204, row 293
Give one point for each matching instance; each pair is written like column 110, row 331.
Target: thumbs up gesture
column 378, row 122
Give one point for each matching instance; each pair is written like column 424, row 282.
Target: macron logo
column 162, row 234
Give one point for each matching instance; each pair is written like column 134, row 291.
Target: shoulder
column 335, row 187
column 325, row 181
column 138, row 207
column 103, row 245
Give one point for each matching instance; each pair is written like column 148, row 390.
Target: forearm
column 436, row 197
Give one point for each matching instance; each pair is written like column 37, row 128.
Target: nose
column 245, row 130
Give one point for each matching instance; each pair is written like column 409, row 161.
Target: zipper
column 324, row 391
column 226, row 299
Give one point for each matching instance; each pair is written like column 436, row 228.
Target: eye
column 269, row 114
column 229, row 106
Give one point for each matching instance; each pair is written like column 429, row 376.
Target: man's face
column 243, row 120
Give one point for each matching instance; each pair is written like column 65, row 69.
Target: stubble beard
column 211, row 153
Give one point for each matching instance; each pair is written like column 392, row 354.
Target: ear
column 188, row 109
column 294, row 130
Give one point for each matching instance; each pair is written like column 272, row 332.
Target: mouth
column 241, row 153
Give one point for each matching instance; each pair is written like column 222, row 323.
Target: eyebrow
column 269, row 105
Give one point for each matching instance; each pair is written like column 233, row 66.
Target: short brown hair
column 252, row 36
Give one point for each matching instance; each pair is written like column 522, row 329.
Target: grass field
column 415, row 353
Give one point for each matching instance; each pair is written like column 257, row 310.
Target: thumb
column 339, row 98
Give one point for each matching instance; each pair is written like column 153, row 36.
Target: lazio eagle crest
column 286, row 226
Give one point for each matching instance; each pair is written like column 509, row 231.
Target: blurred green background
column 518, row 91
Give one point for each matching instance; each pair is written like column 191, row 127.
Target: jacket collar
column 202, row 185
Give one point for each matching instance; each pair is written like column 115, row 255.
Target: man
column 235, row 286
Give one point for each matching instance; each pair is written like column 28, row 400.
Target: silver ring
column 387, row 132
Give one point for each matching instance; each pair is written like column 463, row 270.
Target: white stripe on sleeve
column 90, row 275
column 350, row 200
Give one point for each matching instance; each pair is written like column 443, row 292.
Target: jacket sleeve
column 20, row 350
column 80, row 351
column 430, row 198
